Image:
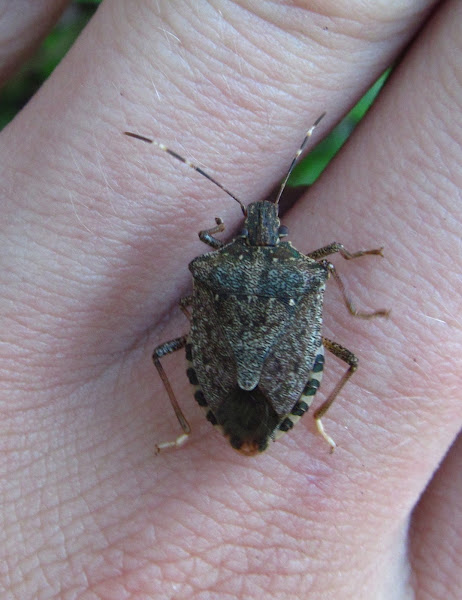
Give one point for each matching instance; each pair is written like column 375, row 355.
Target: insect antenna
column 309, row 133
column 188, row 163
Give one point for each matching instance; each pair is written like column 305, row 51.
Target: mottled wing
column 287, row 367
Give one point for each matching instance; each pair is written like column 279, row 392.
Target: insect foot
column 255, row 349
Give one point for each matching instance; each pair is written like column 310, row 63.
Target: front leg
column 206, row 235
column 336, row 247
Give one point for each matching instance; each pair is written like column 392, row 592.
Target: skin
column 96, row 233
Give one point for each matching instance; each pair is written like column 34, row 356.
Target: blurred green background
column 26, row 82
column 16, row 93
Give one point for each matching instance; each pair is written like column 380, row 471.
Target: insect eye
column 283, row 231
column 244, row 233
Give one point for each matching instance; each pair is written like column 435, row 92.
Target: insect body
column 265, row 301
column 255, row 350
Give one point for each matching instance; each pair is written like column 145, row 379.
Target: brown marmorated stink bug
column 255, row 351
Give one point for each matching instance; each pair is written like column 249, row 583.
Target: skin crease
column 97, row 230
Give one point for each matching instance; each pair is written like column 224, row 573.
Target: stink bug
column 255, row 351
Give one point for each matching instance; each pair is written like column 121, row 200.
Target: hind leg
column 351, row 360
column 159, row 352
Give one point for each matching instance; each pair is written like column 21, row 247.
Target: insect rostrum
column 255, row 350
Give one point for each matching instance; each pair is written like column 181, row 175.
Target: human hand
column 97, row 231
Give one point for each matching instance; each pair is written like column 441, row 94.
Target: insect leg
column 206, row 235
column 159, row 352
column 336, row 247
column 351, row 360
column 382, row 312
column 184, row 303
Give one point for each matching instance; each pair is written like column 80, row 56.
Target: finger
column 22, row 27
column 436, row 532
column 397, row 183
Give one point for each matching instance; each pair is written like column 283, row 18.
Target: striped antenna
column 309, row 133
column 186, row 162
